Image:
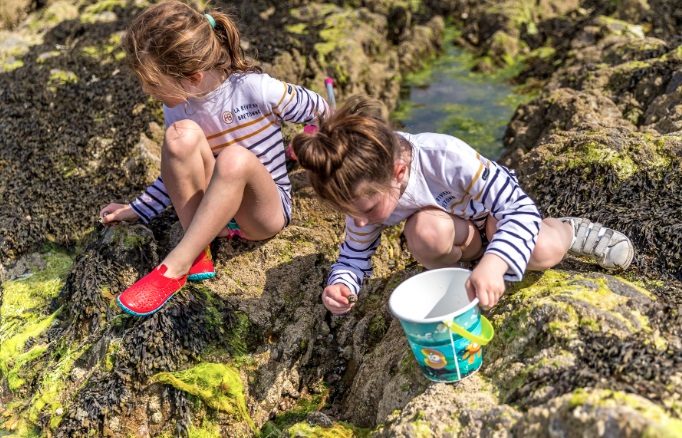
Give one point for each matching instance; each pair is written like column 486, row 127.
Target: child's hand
column 486, row 280
column 335, row 298
column 113, row 214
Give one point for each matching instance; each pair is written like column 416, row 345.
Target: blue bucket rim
column 447, row 317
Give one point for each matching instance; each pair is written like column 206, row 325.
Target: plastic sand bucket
column 444, row 328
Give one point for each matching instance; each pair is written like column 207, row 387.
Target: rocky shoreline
column 253, row 352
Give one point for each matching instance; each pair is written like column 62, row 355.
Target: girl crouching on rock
column 458, row 206
column 222, row 161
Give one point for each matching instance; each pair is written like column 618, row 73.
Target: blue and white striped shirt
column 247, row 109
column 448, row 174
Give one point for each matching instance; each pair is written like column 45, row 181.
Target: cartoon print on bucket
column 444, row 328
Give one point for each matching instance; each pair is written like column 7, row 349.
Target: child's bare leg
column 438, row 239
column 552, row 244
column 241, row 187
column 186, row 167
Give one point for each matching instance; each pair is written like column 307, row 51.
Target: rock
column 156, row 418
column 602, row 140
column 319, row 419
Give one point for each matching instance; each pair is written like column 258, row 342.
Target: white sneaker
column 610, row 248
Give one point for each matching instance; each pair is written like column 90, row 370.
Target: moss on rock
column 541, row 317
column 21, row 314
column 591, row 412
column 217, row 385
column 306, row 430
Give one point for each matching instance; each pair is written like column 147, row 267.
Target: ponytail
column 228, row 38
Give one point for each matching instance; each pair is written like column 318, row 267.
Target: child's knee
column 429, row 237
column 182, row 137
column 423, row 245
column 548, row 252
column 233, row 161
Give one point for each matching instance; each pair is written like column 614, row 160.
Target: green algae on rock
column 217, row 385
column 336, row 431
column 469, row 408
column 537, row 323
column 601, row 412
column 23, row 318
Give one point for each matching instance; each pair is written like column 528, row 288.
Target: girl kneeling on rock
column 458, row 206
column 222, row 160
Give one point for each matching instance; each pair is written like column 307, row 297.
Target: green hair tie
column 210, row 20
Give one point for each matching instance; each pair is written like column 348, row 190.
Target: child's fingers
column 474, row 289
column 492, row 297
column 336, row 307
column 471, row 290
column 498, row 295
column 109, row 214
column 105, row 217
column 109, row 218
column 483, row 299
column 348, row 295
column 336, row 302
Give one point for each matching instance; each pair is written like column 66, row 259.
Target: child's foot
column 150, row 293
column 231, row 231
column 202, row 268
column 610, row 248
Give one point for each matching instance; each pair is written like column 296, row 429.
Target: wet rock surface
column 577, row 352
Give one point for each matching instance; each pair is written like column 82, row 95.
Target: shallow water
column 447, row 97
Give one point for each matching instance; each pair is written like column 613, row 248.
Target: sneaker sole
column 130, row 312
column 201, row 277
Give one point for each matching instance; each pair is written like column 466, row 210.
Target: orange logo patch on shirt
column 228, row 117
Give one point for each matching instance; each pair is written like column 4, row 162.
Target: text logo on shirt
column 445, row 198
column 228, row 117
column 246, row 111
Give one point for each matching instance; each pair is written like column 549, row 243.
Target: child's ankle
column 173, row 270
column 225, row 232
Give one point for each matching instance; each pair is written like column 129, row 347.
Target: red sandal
column 150, row 293
column 202, row 268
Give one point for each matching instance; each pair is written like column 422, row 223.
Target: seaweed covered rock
column 600, row 413
column 624, row 179
column 603, row 140
column 253, row 351
column 467, row 409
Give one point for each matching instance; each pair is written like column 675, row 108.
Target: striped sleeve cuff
column 346, row 277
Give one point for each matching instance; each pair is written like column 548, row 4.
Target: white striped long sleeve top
column 247, row 109
column 448, row 174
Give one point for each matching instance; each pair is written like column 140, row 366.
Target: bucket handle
column 487, row 331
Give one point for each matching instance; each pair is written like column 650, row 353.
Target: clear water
column 448, row 98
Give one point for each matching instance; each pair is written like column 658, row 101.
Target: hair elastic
column 210, row 20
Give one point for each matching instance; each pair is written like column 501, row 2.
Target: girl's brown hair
column 355, row 145
column 171, row 39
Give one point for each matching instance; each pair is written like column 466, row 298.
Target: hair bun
column 319, row 152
